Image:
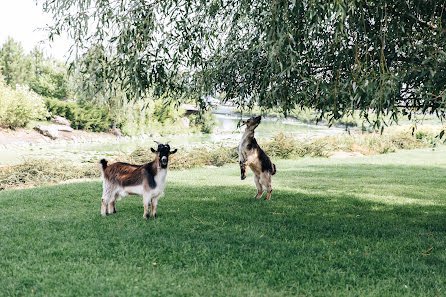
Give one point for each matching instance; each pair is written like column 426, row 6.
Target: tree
column 44, row 75
column 14, row 65
column 49, row 77
column 337, row 57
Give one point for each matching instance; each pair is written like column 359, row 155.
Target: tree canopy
column 42, row 74
column 385, row 57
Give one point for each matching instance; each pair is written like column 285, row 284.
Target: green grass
column 372, row 226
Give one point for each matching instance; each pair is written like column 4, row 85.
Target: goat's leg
column 265, row 179
column 154, row 205
column 104, row 207
column 258, row 186
column 242, row 170
column 107, row 194
column 111, row 207
column 146, row 199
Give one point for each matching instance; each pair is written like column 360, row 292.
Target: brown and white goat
column 250, row 154
column 148, row 180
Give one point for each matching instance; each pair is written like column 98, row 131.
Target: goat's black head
column 163, row 153
column 252, row 123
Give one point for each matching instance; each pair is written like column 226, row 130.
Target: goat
column 250, row 154
column 148, row 180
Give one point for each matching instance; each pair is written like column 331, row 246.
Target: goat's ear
column 173, row 152
column 153, row 151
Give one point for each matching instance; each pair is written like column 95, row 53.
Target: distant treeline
column 34, row 86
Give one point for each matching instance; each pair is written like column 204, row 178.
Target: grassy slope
column 374, row 226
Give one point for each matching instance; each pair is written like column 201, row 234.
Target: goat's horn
column 157, row 142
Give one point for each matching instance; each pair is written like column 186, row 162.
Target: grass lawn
column 372, row 226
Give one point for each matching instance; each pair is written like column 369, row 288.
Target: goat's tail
column 104, row 164
column 274, row 169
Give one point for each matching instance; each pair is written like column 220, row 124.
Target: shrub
column 205, row 122
column 163, row 110
column 214, row 156
column 92, row 118
column 18, row 107
column 87, row 117
column 64, row 109
column 281, row 146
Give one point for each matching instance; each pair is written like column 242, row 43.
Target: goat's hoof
column 243, row 177
column 103, row 214
column 145, row 216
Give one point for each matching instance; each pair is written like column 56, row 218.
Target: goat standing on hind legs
column 148, row 180
column 250, row 154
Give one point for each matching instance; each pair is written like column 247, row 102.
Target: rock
column 63, row 128
column 61, row 121
column 116, row 131
column 49, row 131
column 185, row 122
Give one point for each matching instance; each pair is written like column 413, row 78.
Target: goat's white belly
column 134, row 190
column 160, row 180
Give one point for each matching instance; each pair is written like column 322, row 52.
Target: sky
column 21, row 20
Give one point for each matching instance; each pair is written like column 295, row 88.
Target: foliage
column 44, row 75
column 86, row 108
column 204, row 120
column 49, row 77
column 323, row 234
column 285, row 147
column 14, row 64
column 19, row 106
column 305, row 115
column 86, row 117
column 165, row 111
column 199, row 157
column 393, row 139
column 334, row 57
column 145, row 116
column 133, row 118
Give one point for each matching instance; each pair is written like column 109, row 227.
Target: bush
column 87, row 117
column 215, row 156
column 163, row 112
column 205, row 122
column 18, row 107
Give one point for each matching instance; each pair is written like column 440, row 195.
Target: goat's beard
column 164, row 166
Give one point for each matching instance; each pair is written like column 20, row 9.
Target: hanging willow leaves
column 385, row 57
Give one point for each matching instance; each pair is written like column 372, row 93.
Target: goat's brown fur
column 250, row 154
column 126, row 174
